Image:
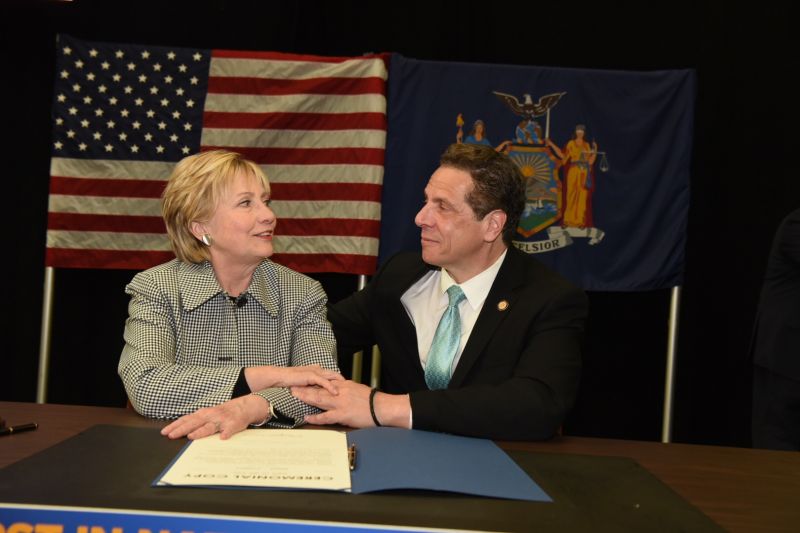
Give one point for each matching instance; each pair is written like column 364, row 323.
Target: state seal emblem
column 559, row 180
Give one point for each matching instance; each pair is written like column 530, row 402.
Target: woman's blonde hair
column 193, row 192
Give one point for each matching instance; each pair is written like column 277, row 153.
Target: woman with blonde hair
column 215, row 337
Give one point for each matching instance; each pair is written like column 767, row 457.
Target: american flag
column 124, row 114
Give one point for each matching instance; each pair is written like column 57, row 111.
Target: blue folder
column 393, row 458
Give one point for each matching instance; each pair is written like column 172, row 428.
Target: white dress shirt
column 426, row 300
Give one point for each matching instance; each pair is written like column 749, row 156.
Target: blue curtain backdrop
column 610, row 221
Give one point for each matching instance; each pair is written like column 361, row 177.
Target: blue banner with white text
column 22, row 518
column 605, row 156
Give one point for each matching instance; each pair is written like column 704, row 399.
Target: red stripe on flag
column 121, row 259
column 308, row 156
column 114, row 223
column 282, row 191
column 140, row 260
column 297, row 227
column 280, row 56
column 270, row 86
column 295, row 121
column 340, row 227
column 367, row 192
column 351, row 264
column 106, row 187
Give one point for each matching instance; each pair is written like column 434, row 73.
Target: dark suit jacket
column 519, row 372
column 776, row 338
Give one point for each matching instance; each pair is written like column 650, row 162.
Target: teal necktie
column 445, row 342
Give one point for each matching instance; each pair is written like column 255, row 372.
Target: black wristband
column 372, row 406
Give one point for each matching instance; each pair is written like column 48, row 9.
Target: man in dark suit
column 776, row 344
column 514, row 362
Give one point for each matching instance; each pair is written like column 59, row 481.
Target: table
column 739, row 489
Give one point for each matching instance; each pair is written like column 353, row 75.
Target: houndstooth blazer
column 186, row 341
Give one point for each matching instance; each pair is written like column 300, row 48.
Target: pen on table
column 351, row 456
column 16, row 429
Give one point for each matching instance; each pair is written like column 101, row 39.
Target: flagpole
column 358, row 357
column 669, row 383
column 44, row 342
column 375, row 368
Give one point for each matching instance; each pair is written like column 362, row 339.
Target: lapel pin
column 502, row 305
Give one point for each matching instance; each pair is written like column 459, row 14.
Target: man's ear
column 495, row 222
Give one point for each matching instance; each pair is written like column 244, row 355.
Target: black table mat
column 114, row 466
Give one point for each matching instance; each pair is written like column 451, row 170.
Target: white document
column 278, row 458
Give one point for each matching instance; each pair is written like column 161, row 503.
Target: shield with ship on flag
column 542, row 187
